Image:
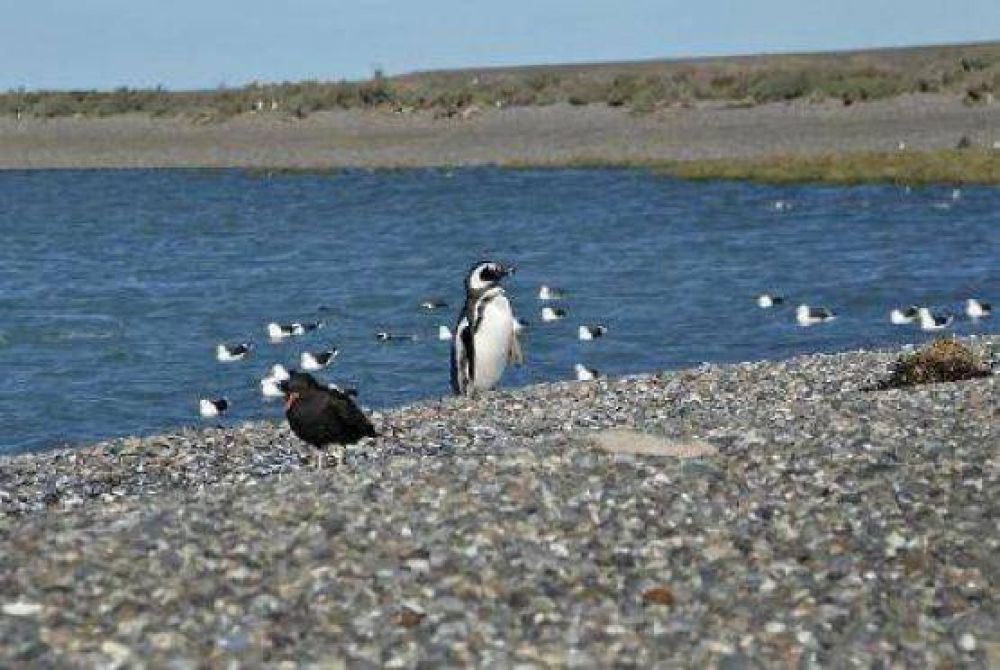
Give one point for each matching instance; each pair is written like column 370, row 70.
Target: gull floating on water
column 553, row 313
column 270, row 386
column 904, row 316
column 227, row 353
column 585, row 374
column 809, row 316
column 550, row 293
column 385, row 336
column 976, row 309
column 433, row 304
column 587, row 333
column 930, row 321
column 766, row 300
column 444, row 333
column 209, row 408
column 282, row 331
column 318, row 360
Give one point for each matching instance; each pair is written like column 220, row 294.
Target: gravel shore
column 776, row 514
column 544, row 135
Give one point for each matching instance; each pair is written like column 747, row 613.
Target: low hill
column 971, row 71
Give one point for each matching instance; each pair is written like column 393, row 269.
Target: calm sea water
column 115, row 286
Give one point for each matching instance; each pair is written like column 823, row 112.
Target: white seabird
column 312, row 361
column 808, row 316
column 766, row 300
column 227, row 353
column 587, row 333
column 585, row 374
column 553, row 313
column 930, row 321
column 209, row 408
column 976, row 309
column 546, row 292
column 903, row 316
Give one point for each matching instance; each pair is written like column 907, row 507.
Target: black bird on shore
column 321, row 415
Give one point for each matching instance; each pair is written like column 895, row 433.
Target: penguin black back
column 320, row 415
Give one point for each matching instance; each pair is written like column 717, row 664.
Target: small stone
column 410, row 619
column 21, row 608
column 774, row 627
column 967, row 642
column 119, row 653
column 659, row 595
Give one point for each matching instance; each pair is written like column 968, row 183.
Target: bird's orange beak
column 291, row 400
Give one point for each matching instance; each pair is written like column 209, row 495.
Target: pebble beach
column 766, row 514
column 537, row 135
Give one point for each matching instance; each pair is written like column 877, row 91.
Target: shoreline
column 542, row 136
column 775, row 510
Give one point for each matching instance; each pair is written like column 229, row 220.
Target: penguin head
column 486, row 274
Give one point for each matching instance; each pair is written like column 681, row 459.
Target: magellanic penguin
column 485, row 339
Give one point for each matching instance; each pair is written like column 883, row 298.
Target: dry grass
column 943, row 360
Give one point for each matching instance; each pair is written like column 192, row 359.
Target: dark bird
column 321, row 415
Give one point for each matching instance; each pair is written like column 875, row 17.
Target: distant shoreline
column 705, row 140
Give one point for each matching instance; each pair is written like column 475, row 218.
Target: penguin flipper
column 461, row 363
column 514, row 353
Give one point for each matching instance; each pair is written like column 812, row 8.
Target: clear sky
column 204, row 43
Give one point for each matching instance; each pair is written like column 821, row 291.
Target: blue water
column 115, row 286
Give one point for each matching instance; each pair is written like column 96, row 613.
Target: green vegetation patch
column 966, row 166
column 943, row 360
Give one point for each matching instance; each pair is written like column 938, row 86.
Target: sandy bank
column 527, row 135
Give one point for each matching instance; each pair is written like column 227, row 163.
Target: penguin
column 227, row 353
column 210, row 408
column 312, row 361
column 322, row 415
column 901, row 317
column 977, row 309
column 930, row 321
column 485, row 339
column 808, row 316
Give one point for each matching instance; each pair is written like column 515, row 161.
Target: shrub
column 943, row 360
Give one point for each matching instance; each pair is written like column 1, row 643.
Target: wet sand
column 556, row 134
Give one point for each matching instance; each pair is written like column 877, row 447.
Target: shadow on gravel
column 943, row 360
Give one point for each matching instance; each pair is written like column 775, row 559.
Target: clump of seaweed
column 944, row 360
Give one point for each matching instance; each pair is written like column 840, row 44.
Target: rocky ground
column 543, row 135
column 762, row 514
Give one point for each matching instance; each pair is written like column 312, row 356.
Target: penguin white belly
column 492, row 342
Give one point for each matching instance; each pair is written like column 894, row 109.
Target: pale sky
column 104, row 44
